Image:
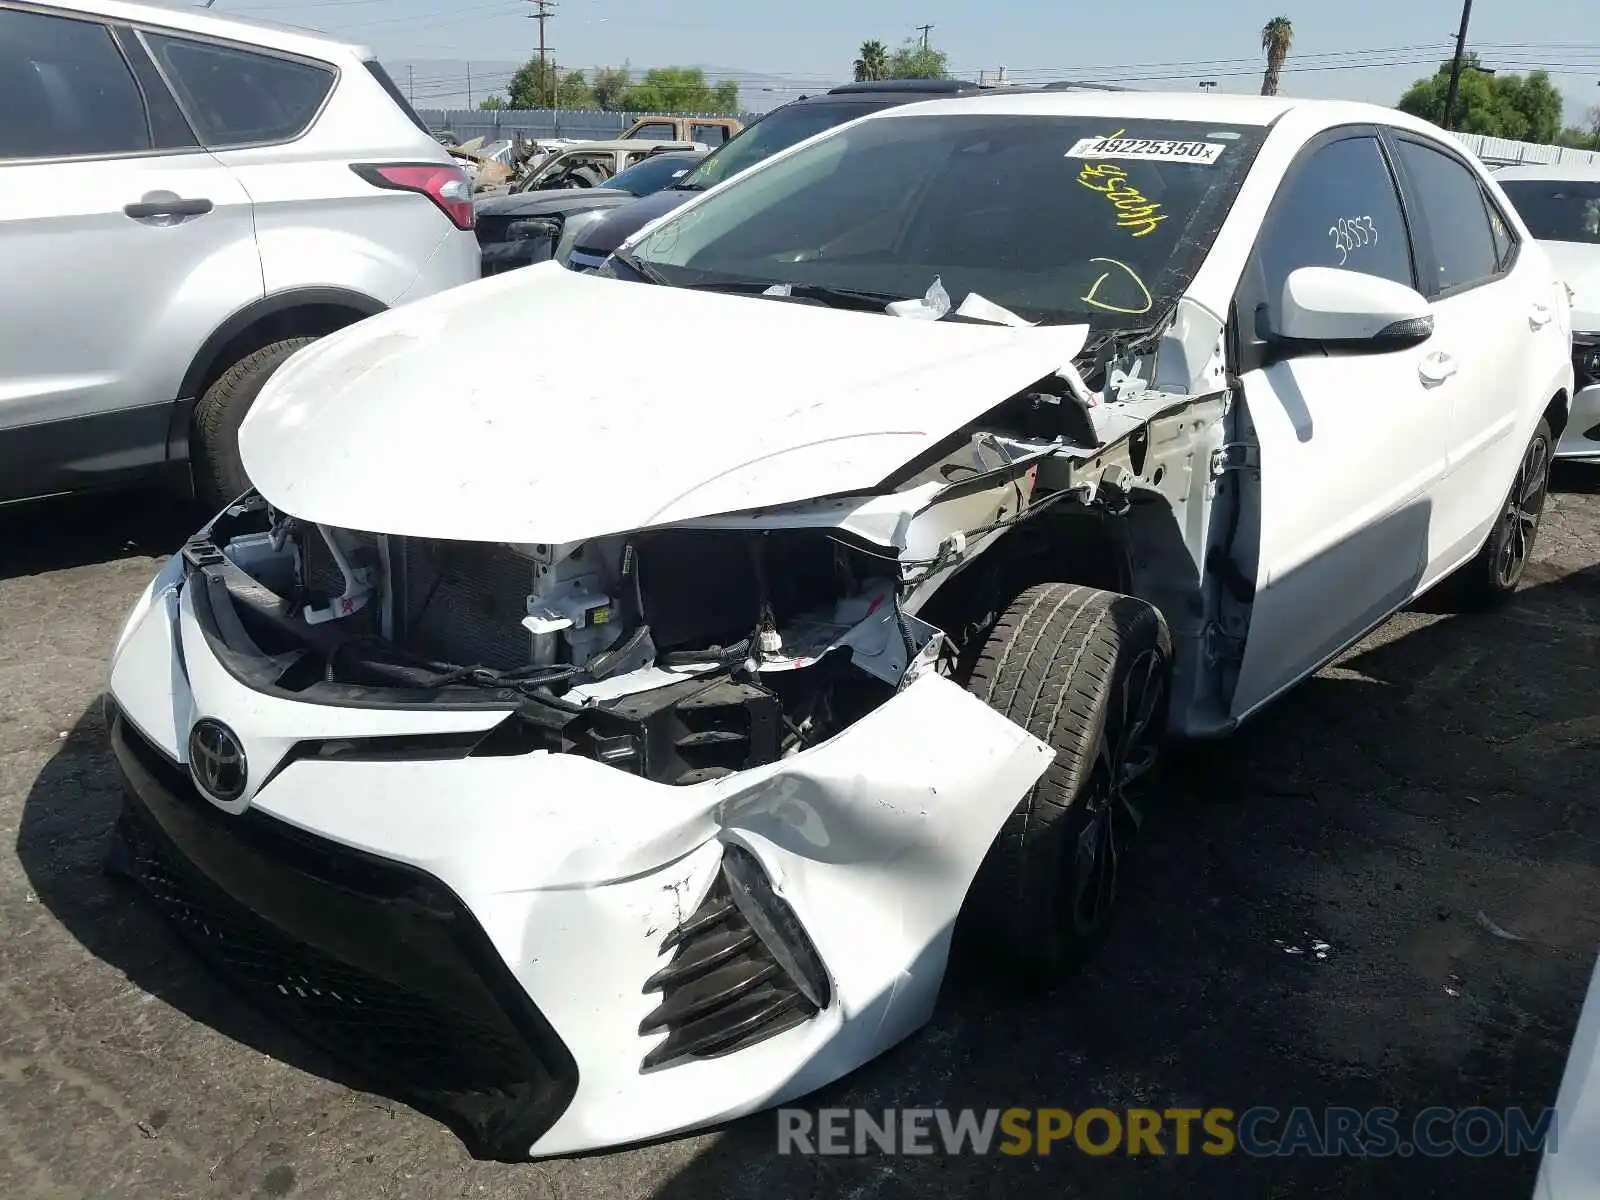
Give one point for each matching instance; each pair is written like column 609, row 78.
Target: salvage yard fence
column 591, row 125
column 1503, row 152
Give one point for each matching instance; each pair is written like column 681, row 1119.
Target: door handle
column 144, row 210
column 1437, row 367
column 1540, row 315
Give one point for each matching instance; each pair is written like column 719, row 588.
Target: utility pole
column 469, row 85
column 1457, row 63
column 542, row 14
column 924, row 29
column 411, row 84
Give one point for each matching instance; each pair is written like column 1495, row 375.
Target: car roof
column 1554, row 172
column 210, row 22
column 1222, row 107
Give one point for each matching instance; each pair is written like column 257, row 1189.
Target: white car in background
column 186, row 199
column 1561, row 207
column 595, row 760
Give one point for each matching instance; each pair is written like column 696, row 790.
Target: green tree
column 1277, row 35
column 492, row 103
column 680, row 89
column 1527, row 109
column 573, row 92
column 874, row 61
column 911, row 61
column 610, row 84
column 534, row 85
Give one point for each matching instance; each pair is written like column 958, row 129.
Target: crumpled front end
column 642, row 906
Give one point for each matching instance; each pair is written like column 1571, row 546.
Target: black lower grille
column 727, row 987
column 377, row 963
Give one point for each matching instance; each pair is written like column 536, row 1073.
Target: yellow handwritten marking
column 1133, row 210
column 1149, row 301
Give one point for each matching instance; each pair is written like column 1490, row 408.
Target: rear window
column 238, row 97
column 1557, row 210
column 395, row 94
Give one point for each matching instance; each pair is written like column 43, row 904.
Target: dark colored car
column 523, row 228
column 777, row 131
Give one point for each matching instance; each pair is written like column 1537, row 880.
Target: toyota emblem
column 216, row 760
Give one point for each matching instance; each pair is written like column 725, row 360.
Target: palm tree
column 874, row 61
column 1277, row 35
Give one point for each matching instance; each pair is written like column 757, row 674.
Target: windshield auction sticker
column 1147, row 149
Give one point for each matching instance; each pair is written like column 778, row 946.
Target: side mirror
column 1347, row 309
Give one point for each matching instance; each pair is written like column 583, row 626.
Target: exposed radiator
column 461, row 602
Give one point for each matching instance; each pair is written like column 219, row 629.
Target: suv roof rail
column 949, row 87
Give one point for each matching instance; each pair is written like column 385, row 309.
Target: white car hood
column 1578, row 264
column 544, row 405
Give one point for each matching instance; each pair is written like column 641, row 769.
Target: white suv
column 186, row 199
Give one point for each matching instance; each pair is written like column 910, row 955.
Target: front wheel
column 1492, row 577
column 1089, row 673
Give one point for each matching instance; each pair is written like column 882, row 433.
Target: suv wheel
column 219, row 476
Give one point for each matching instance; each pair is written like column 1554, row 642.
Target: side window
column 65, row 90
column 657, row 131
column 1339, row 209
column 709, row 135
column 1451, row 199
column 1505, row 242
column 237, row 97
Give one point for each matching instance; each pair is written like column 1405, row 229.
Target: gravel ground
column 1440, row 770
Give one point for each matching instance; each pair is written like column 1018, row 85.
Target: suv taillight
column 447, row 186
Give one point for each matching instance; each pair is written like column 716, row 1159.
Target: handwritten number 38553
column 1352, row 233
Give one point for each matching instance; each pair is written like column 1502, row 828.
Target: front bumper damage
column 547, row 953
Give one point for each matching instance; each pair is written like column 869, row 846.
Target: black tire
column 1080, row 669
column 1491, row 578
column 219, row 476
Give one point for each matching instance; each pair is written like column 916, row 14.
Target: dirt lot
column 1444, row 769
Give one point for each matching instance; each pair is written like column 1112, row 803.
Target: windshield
column 1059, row 219
column 776, row 131
column 1557, row 210
column 652, row 174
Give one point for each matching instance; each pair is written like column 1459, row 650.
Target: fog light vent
column 743, row 970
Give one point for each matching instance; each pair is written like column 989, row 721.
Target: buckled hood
column 624, row 405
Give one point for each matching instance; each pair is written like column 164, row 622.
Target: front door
column 1352, row 445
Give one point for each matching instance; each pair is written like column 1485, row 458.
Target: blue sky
column 1358, row 49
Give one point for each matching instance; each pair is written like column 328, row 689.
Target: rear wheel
column 1492, row 577
column 219, row 476
column 1087, row 672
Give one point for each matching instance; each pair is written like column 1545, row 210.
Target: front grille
column 377, row 963
column 725, row 988
column 1586, row 363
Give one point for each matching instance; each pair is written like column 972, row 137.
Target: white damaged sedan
column 594, row 760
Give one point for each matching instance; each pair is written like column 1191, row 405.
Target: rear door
column 1352, row 445
column 1494, row 323
column 124, row 246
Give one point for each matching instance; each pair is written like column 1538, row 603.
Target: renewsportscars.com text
column 1259, row 1132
